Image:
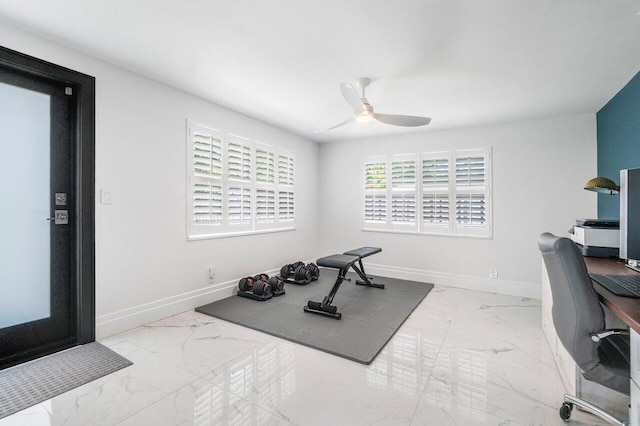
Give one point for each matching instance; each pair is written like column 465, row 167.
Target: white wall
column 145, row 267
column 539, row 170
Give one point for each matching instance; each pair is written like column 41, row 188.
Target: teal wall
column 618, row 142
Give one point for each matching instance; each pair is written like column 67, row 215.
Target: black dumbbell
column 276, row 284
column 246, row 283
column 261, row 288
column 315, row 271
column 301, row 273
column 286, row 271
column 296, row 264
column 263, row 277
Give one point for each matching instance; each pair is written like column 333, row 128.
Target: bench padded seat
column 337, row 261
column 363, row 251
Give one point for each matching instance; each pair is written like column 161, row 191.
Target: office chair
column 601, row 354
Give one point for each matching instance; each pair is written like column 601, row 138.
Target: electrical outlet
column 493, row 273
column 212, row 273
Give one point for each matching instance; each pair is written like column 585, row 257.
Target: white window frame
column 247, row 181
column 451, row 190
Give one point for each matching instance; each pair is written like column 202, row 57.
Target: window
column 403, row 192
column 431, row 193
column 237, row 185
column 375, row 189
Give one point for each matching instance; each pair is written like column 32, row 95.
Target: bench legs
column 365, row 280
column 326, row 308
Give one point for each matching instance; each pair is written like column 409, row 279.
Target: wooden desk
column 626, row 308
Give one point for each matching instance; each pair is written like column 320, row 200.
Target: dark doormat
column 370, row 316
column 34, row 382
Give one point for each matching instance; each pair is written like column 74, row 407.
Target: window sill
column 238, row 234
column 432, row 234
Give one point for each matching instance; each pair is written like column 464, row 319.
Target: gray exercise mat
column 370, row 316
column 34, row 382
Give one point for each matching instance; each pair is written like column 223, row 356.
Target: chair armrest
column 596, row 337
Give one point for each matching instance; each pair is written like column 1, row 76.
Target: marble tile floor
column 462, row 358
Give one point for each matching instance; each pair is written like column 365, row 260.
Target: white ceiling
column 461, row 62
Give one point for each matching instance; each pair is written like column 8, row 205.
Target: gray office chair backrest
column 576, row 309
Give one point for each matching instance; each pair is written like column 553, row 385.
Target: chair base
column 570, row 401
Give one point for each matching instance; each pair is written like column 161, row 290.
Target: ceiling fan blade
column 350, row 95
column 347, row 121
column 402, row 120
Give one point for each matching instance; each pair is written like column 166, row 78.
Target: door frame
column 84, row 146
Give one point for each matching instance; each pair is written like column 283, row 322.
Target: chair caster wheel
column 565, row 411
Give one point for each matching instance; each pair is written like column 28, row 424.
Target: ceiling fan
column 364, row 111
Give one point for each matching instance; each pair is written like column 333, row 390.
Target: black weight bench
column 364, row 252
column 342, row 262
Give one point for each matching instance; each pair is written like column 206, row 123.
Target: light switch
column 105, row 196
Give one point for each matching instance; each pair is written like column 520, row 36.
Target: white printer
column 597, row 237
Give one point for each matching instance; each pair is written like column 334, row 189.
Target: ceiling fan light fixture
column 364, row 111
column 364, row 117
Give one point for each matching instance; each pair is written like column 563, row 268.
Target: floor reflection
column 404, row 365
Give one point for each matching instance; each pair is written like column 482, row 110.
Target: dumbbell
column 301, row 273
column 264, row 277
column 261, row 288
column 247, row 283
column 298, row 271
column 286, row 271
column 257, row 286
column 315, row 271
column 276, row 284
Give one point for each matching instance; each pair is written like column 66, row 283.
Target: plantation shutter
column 285, row 170
column 265, row 166
column 205, row 184
column 435, row 171
column 265, row 206
column 444, row 192
column 286, row 196
column 403, row 190
column 239, row 205
column 471, row 189
column 435, row 190
column 236, row 185
column 403, row 208
column 285, row 206
column 207, row 154
column 375, row 175
column 207, row 204
column 470, row 171
column 435, row 208
column 403, row 174
column 239, row 159
column 375, row 208
column 470, row 209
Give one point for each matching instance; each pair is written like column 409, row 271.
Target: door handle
column 61, row 217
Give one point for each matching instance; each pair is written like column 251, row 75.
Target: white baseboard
column 491, row 285
column 135, row 316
